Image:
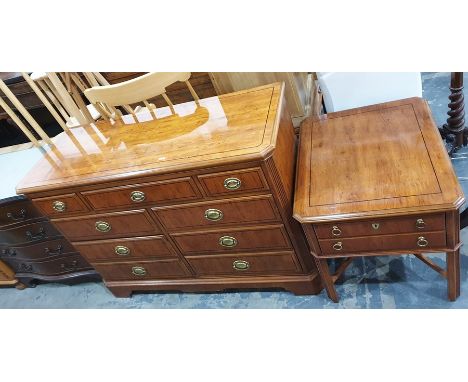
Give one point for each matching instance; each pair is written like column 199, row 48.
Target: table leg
column 327, row 280
column 453, row 274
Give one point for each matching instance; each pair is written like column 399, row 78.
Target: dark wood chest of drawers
column 197, row 201
column 34, row 249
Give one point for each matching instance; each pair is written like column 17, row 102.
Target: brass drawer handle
column 139, row 271
column 338, row 246
column 228, row 241
column 422, row 241
column 336, row 231
column 213, row 214
column 137, row 196
column 122, row 250
column 232, row 183
column 240, row 265
column 420, row 224
column 38, row 236
column 59, row 206
column 103, row 226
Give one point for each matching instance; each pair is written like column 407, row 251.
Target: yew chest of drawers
column 200, row 200
column 378, row 181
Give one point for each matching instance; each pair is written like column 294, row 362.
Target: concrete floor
column 380, row 282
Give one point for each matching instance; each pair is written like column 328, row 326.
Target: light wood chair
column 137, row 90
column 34, row 126
column 60, row 93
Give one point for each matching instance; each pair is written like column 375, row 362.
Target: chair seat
column 72, row 122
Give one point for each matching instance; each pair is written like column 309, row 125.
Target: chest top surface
column 230, row 128
column 373, row 161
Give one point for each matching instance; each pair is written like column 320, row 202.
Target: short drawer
column 125, row 249
column 61, row 205
column 416, row 223
column 408, row 241
column 236, row 239
column 232, row 182
column 173, row 190
column 38, row 251
column 18, row 212
column 142, row 270
column 105, row 226
column 65, row 264
column 28, row 233
column 252, row 209
column 244, row 264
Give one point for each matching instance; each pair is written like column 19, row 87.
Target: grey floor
column 380, row 282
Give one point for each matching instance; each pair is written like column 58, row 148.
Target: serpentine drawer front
column 374, row 181
column 34, row 248
column 194, row 202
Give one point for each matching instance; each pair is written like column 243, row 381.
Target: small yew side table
column 374, row 181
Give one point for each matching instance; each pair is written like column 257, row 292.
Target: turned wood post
column 456, row 121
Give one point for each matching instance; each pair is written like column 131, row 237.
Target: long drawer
column 28, row 233
column 244, row 264
column 64, row 264
column 417, row 223
column 142, row 270
column 125, row 249
column 272, row 237
column 247, row 210
column 407, row 241
column 17, row 212
column 157, row 192
column 106, row 226
column 37, row 251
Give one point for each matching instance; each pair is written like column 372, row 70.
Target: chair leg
column 327, row 279
column 453, row 274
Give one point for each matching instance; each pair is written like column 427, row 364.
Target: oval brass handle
column 103, row 226
column 122, row 250
column 232, row 183
column 59, row 206
column 336, row 231
column 240, row 265
column 137, row 196
column 420, row 224
column 139, row 271
column 213, row 214
column 422, row 241
column 228, row 241
column 338, row 246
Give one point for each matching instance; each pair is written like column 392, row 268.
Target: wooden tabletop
column 373, row 161
column 230, row 128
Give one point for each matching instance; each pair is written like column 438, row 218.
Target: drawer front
column 417, row 223
column 17, row 212
column 142, row 270
column 232, row 182
column 147, row 193
column 105, row 226
column 409, row 241
column 38, row 251
column 239, row 239
column 61, row 205
column 253, row 209
column 244, row 264
column 125, row 249
column 65, row 264
column 28, row 233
